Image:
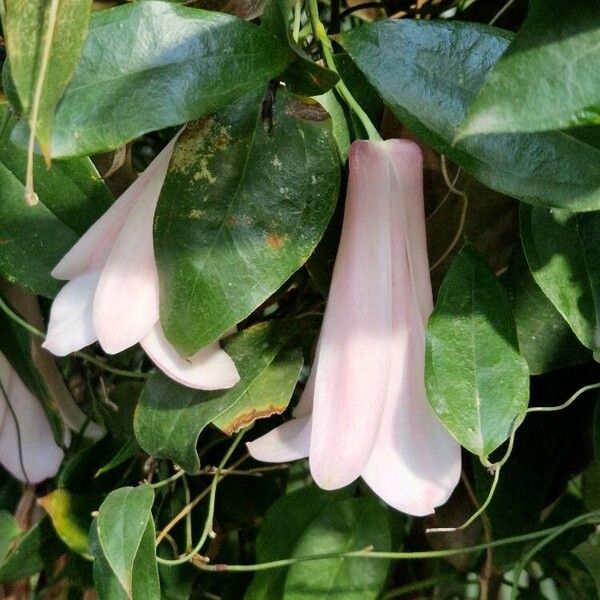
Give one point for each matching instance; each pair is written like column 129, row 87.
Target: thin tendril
column 367, row 553
column 84, row 355
column 463, row 213
column 206, row 533
column 168, row 480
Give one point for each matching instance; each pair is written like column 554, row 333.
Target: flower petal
column 354, row 361
column 289, row 441
column 126, row 303
column 415, row 464
column 211, row 368
column 27, row 446
column 71, row 324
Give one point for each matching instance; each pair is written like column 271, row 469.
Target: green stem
column 321, row 35
column 90, row 358
column 168, row 480
column 102, row 365
column 297, row 17
column 517, row 539
column 211, row 508
column 416, row 586
column 188, row 517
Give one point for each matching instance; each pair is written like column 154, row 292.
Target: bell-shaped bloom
column 364, row 411
column 112, row 293
column 27, row 447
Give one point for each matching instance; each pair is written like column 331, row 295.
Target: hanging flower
column 27, row 447
column 364, row 411
column 112, row 294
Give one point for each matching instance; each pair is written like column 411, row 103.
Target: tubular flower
column 112, row 294
column 27, row 446
column 364, row 411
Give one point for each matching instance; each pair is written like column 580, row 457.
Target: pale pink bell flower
column 27, row 447
column 112, row 293
column 364, row 411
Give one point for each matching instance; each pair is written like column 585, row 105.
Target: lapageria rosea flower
column 112, row 294
column 28, row 449
column 364, row 411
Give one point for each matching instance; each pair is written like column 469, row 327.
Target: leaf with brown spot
column 268, row 395
column 265, row 199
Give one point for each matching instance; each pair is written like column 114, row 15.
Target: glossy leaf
column 71, row 515
column 428, row 73
column 349, row 525
column 279, row 535
column 169, row 417
column 303, row 75
column 187, row 63
column 33, row 551
column 34, row 238
column 241, row 210
column 477, row 382
column 44, row 41
column 545, row 339
column 548, row 78
column 564, row 258
column 269, row 394
column 145, row 583
column 123, row 546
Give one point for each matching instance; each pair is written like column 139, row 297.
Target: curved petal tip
column 211, row 368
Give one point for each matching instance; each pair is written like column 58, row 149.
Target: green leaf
column 303, row 75
column 548, row 78
column 269, row 394
column 545, row 339
column 188, row 63
column 352, row 524
column 589, row 554
column 34, row 238
column 428, row 73
column 477, row 382
column 35, row 550
column 9, row 531
column 145, row 582
column 241, row 210
column 43, row 41
column 564, row 258
column 122, row 542
column 279, row 534
column 170, row 417
column 71, row 515
column 128, row 450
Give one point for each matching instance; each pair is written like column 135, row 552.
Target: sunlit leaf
column 477, row 382
column 170, row 417
column 122, row 542
column 188, row 63
column 241, row 210
column 428, row 73
column 548, row 78
column 44, row 40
